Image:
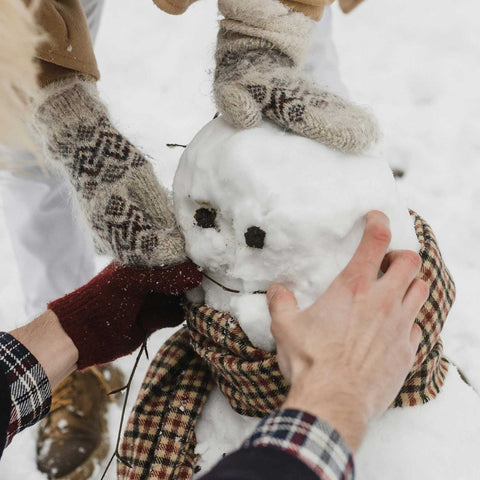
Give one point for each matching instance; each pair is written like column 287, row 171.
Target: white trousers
column 322, row 59
column 93, row 10
column 53, row 252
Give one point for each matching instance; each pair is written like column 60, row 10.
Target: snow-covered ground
column 416, row 65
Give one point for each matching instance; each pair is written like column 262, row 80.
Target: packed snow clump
column 261, row 206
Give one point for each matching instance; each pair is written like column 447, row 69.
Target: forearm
column 289, row 444
column 50, row 345
column 34, row 359
column 25, row 392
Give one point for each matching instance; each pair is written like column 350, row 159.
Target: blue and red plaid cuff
column 29, row 386
column 311, row 440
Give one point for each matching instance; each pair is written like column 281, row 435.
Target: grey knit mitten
column 114, row 183
column 261, row 44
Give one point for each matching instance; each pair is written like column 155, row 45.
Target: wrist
column 340, row 409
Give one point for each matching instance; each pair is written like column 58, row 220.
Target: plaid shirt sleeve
column 29, row 387
column 309, row 439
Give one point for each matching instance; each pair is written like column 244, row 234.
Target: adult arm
column 25, row 393
column 107, row 318
column 346, row 358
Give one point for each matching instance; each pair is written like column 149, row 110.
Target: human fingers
column 237, row 105
column 281, row 302
column 160, row 311
column 368, row 258
column 403, row 267
column 416, row 296
column 284, row 363
column 415, row 337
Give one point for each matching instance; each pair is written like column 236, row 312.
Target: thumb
column 281, row 302
column 160, row 311
column 237, row 105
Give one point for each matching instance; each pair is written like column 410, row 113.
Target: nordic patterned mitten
column 114, row 183
column 261, row 44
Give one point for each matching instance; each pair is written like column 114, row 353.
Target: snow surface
column 416, row 65
column 431, row 441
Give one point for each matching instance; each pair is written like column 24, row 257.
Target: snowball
column 238, row 190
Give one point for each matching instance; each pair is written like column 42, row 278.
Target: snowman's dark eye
column 205, row 217
column 255, row 237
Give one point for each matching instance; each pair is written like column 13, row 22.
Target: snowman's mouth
column 231, row 290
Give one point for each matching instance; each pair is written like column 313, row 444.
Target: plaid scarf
column 159, row 441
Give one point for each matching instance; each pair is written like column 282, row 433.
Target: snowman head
column 262, row 206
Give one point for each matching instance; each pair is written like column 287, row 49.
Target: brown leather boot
column 74, row 438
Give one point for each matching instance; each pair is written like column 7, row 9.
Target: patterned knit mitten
column 114, row 182
column 261, row 44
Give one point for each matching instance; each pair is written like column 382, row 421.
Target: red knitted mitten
column 113, row 314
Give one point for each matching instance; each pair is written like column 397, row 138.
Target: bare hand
column 348, row 355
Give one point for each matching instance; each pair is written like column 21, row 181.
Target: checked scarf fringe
column 159, row 441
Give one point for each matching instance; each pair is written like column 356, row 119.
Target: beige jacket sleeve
column 348, row 5
column 68, row 49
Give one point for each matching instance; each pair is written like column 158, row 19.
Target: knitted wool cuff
column 267, row 20
column 113, row 181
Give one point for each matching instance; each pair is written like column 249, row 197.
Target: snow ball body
column 260, row 206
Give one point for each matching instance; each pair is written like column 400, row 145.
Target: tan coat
column 19, row 38
column 69, row 50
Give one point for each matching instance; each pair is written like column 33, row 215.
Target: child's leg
column 93, row 10
column 54, row 254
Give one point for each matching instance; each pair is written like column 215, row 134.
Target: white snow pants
column 54, row 253
column 322, row 60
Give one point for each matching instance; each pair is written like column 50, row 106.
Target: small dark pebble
column 398, row 173
column 197, row 469
column 205, row 217
column 255, row 237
